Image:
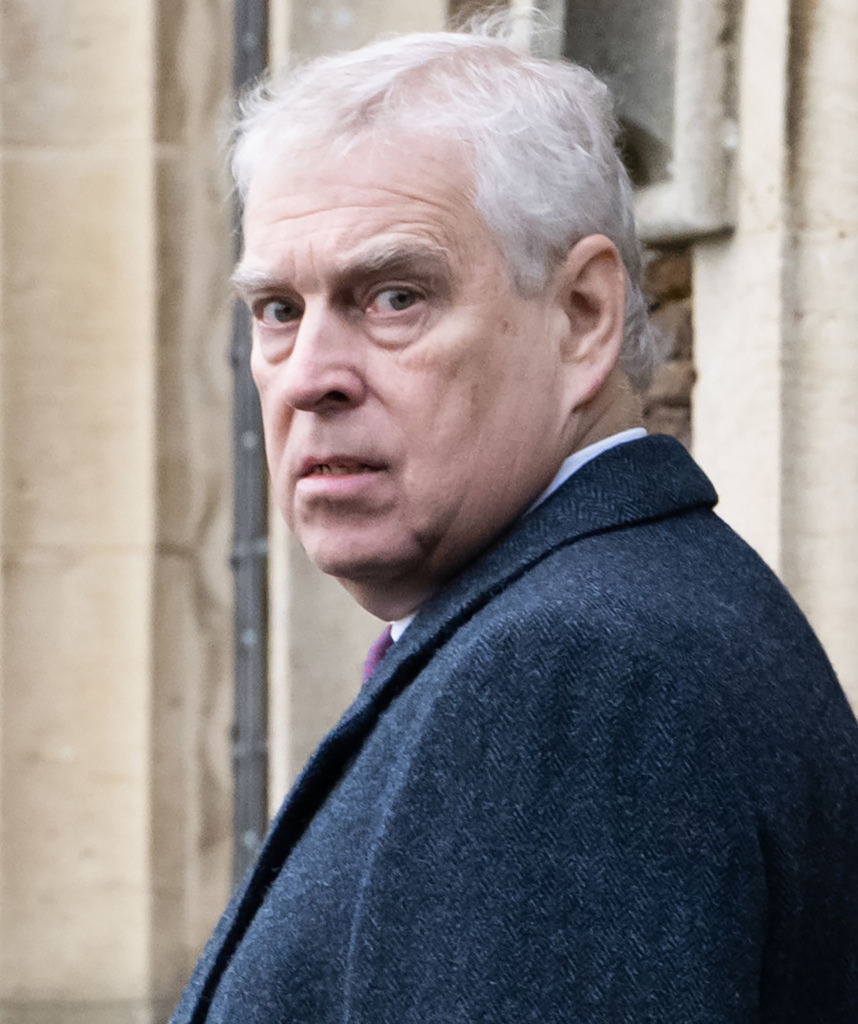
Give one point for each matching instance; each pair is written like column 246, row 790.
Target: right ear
column 591, row 285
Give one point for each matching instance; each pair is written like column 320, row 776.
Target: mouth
column 336, row 466
column 339, row 469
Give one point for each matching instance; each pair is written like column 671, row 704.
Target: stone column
column 739, row 298
column 191, row 699
column 776, row 403
column 115, row 669
column 78, row 418
column 820, row 442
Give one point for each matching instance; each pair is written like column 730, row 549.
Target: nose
column 323, row 370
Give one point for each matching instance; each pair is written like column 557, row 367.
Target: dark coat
column 607, row 775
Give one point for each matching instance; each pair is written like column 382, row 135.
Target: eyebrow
column 247, row 282
column 388, row 258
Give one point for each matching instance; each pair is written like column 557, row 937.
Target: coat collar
column 633, row 483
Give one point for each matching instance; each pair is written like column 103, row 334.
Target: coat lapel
column 635, row 482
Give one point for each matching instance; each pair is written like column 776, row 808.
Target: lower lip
column 331, row 485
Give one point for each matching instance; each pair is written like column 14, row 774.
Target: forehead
column 377, row 195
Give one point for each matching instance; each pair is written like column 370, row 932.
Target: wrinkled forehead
column 415, row 172
column 380, row 144
column 380, row 195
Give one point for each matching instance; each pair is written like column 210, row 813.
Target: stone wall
column 115, row 675
column 667, row 404
column 77, row 482
column 775, row 416
column 190, row 837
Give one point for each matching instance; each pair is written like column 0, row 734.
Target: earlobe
column 592, row 292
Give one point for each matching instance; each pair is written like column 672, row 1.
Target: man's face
column 412, row 400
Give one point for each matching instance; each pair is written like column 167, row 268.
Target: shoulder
column 678, row 590
column 673, row 630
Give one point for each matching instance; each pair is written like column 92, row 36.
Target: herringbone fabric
column 607, row 776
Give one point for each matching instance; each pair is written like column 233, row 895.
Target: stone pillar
column 820, row 442
column 191, row 699
column 78, row 403
column 667, row 403
column 776, row 402
column 739, row 298
column 115, row 425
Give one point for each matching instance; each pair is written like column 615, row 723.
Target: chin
column 351, row 564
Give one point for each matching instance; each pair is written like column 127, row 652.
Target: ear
column 592, row 294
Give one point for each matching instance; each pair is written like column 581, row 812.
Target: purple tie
column 376, row 653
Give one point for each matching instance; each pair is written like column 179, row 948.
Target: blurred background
column 168, row 658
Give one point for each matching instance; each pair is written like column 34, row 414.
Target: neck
column 615, row 407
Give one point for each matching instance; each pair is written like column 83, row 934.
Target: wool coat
column 607, row 775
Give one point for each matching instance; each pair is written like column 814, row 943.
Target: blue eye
column 277, row 311
column 396, row 299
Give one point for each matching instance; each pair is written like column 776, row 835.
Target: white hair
column 540, row 136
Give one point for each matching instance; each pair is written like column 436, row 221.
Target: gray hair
column 540, row 137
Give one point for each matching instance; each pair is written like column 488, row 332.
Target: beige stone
column 193, row 69
column 673, row 324
column 190, row 832
column 83, row 1012
column 75, row 747
column 312, row 29
column 331, row 637
column 775, row 311
column 319, row 639
column 116, row 646
column 191, row 790
column 194, row 379
column 821, row 436
column 825, row 88
column 821, row 345
column 667, row 274
column 674, row 420
column 671, row 383
column 78, row 322
column 2, row 506
column 75, row 72
column 737, row 409
column 739, row 300
column 77, row 481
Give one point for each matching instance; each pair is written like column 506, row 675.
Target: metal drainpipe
column 250, row 527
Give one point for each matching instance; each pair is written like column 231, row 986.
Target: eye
column 394, row 300
column 274, row 312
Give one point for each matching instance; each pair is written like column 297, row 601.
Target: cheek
column 272, row 425
column 276, row 421
column 449, row 458
column 446, row 421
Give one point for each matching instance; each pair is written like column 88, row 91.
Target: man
column 605, row 773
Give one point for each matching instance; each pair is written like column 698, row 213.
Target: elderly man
column 605, row 773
